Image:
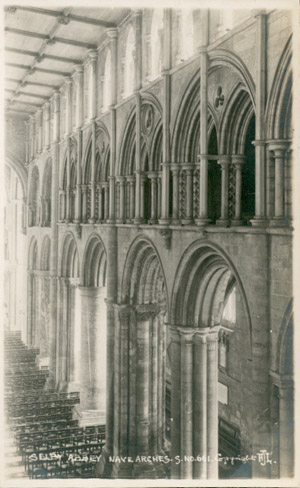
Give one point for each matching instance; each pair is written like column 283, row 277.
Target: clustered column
column 194, row 402
column 238, row 161
column 224, row 162
column 279, row 148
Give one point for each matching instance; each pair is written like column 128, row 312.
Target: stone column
column 93, row 354
column 77, row 219
column 279, row 150
column 159, row 194
column 68, row 82
column 93, row 56
column 113, row 35
column 165, row 218
column 212, row 404
column 194, row 401
column 100, row 203
column 27, row 141
column 238, row 162
column 224, row 162
column 186, row 362
column 131, row 180
column 260, row 102
column 32, row 135
column 153, row 177
column 78, row 77
column 56, row 117
column 175, row 212
column 93, row 169
column 47, row 126
column 121, row 180
column 142, row 195
column 286, row 430
column 84, row 203
column 203, row 211
column 139, row 202
column 106, row 201
column 67, row 207
column 40, row 129
column 189, row 193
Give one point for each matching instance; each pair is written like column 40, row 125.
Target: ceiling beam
column 29, row 94
column 8, row 109
column 40, row 70
column 25, row 103
column 33, row 83
column 50, row 40
column 35, row 54
column 65, row 19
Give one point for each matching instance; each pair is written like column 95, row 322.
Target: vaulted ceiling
column 42, row 46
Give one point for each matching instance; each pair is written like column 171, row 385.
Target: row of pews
column 48, row 439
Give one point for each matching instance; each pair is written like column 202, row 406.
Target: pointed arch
column 126, row 163
column 33, row 254
column 278, row 109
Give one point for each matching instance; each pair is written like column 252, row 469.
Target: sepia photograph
column 150, row 206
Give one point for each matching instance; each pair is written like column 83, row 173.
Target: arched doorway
column 203, row 315
column 93, row 333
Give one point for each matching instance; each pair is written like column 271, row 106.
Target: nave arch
column 209, row 309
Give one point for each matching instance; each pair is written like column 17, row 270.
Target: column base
column 223, row 222
column 278, row 222
column 202, row 222
column 120, row 221
column 152, row 221
column 187, row 221
column 139, row 220
column 236, row 222
column 76, row 221
column 164, row 221
column 89, row 417
column 110, row 221
column 73, row 386
column 91, row 221
column 259, row 222
column 176, row 222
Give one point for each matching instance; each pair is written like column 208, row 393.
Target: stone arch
column 20, row 169
column 139, row 282
column 222, row 57
column 127, row 148
column 45, row 254
column 278, row 109
column 69, row 263
column 199, row 287
column 186, row 130
column 94, row 262
column 33, row 254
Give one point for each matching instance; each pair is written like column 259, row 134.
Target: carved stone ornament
column 144, row 316
column 167, row 235
column 219, row 100
column 11, row 10
column 148, row 119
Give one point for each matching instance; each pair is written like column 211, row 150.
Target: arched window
column 187, row 34
column 107, row 82
column 156, row 43
column 129, row 64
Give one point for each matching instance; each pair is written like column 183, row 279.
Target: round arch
column 33, row 254
column 202, row 278
column 69, row 263
column 20, row 169
column 94, row 262
column 143, row 278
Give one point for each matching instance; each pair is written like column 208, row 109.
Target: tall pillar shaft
column 175, row 210
column 224, row 163
column 78, row 174
column 93, row 355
